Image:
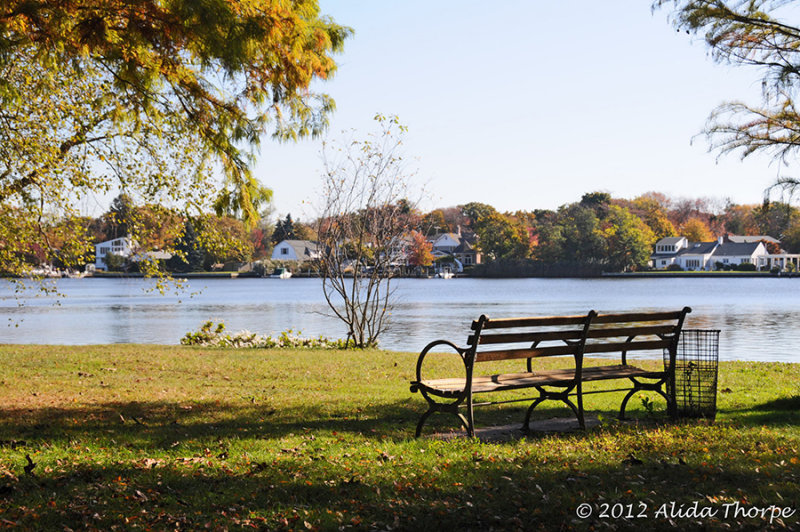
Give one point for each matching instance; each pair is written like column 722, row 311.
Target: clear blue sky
column 527, row 105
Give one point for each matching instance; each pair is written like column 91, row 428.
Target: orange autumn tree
column 419, row 250
column 695, row 230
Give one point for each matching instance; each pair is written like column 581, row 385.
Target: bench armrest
column 424, row 352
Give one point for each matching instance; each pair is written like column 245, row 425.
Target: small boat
column 444, row 274
column 281, row 273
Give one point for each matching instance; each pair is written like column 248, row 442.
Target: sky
column 528, row 105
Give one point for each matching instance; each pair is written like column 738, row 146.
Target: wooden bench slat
column 543, row 321
column 572, row 334
column 631, row 331
column 512, row 354
column 508, row 338
column 606, row 347
column 611, row 347
column 636, row 316
column 598, row 373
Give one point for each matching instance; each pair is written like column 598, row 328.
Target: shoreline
column 621, row 275
column 606, row 275
column 706, row 275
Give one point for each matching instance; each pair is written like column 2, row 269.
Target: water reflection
column 757, row 316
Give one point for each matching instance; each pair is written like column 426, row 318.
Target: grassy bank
column 188, row 438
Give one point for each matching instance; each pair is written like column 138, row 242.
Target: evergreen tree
column 284, row 230
column 119, row 216
column 190, row 253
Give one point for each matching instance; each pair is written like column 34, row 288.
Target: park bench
column 647, row 334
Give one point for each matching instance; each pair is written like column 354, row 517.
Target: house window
column 284, row 251
column 693, row 263
column 104, row 250
column 745, row 261
column 663, row 263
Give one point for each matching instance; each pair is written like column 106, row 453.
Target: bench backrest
column 533, row 337
column 639, row 332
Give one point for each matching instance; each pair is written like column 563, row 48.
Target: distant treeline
column 597, row 234
column 600, row 233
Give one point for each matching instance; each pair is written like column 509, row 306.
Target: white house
column 124, row 247
column 737, row 253
column 296, row 250
column 666, row 251
column 724, row 252
column 119, row 246
column 445, row 243
column 697, row 256
column 461, row 246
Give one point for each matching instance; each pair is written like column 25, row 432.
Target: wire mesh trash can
column 696, row 372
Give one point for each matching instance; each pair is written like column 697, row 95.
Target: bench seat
column 512, row 381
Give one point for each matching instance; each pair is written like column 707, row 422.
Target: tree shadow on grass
column 779, row 411
column 474, row 492
column 205, row 466
column 782, row 403
column 164, row 424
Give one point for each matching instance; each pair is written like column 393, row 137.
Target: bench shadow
column 166, row 425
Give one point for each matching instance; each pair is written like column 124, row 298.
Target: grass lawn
column 123, row 437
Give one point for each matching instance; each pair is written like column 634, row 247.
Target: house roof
column 302, row 248
column 124, row 239
column 464, row 247
column 439, row 236
column 465, row 241
column 730, row 249
column 752, row 238
column 669, row 240
column 698, row 248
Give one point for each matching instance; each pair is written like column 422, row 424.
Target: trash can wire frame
column 696, row 373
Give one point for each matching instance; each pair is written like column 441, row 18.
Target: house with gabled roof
column 752, row 238
column 722, row 253
column 737, row 253
column 122, row 247
column 697, row 256
column 126, row 248
column 467, row 252
column 667, row 251
column 670, row 245
column 296, row 250
column 461, row 245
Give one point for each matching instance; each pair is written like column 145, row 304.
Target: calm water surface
column 758, row 317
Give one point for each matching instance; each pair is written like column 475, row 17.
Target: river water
column 759, row 318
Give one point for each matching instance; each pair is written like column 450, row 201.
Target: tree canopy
column 153, row 98
column 754, row 33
